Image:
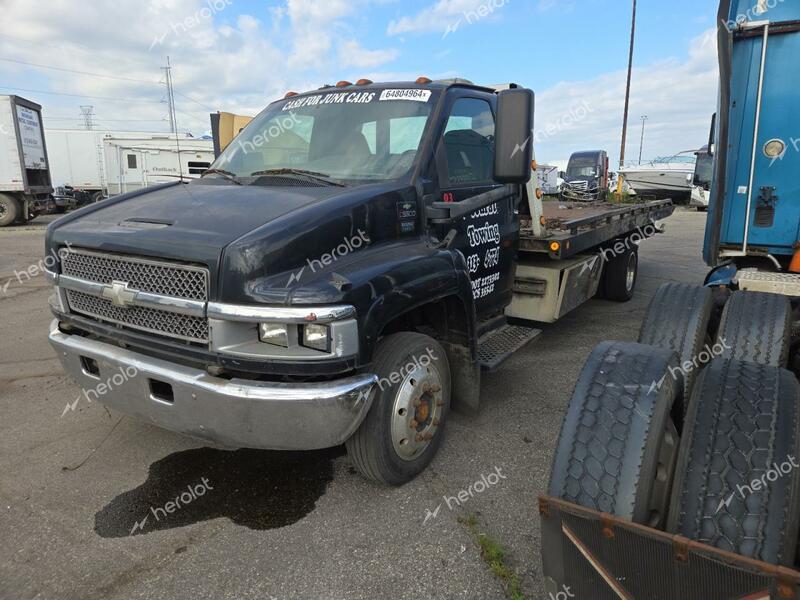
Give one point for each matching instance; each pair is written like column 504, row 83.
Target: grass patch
column 494, row 556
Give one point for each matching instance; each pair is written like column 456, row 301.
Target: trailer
column 25, row 184
column 677, row 470
column 99, row 164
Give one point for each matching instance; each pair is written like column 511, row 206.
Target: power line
column 110, row 98
column 101, row 75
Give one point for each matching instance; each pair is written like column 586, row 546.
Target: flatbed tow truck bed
column 580, row 226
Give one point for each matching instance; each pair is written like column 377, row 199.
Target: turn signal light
column 423, row 81
column 290, row 94
column 364, row 82
column 555, row 246
column 539, row 193
column 534, row 165
column 794, row 267
column 343, row 84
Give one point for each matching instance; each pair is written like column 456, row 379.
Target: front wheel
column 404, row 427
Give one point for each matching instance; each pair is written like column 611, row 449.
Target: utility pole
column 627, row 103
column 173, row 120
column 87, row 112
column 641, row 143
column 170, row 97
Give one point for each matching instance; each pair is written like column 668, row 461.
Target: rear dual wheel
column 618, row 444
column 620, row 275
column 10, row 210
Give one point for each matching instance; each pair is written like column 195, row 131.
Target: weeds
column 494, row 556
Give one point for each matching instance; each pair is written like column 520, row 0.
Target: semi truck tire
column 620, row 275
column 737, row 484
column 10, row 210
column 618, row 445
column 404, row 427
column 678, row 319
column 757, row 327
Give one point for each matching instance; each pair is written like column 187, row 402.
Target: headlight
column 317, row 337
column 774, row 148
column 277, row 335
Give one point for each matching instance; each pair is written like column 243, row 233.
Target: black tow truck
column 340, row 275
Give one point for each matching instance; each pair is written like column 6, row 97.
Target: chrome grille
column 166, row 279
column 175, row 280
column 194, row 329
column 579, row 185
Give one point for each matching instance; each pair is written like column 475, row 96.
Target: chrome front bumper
column 234, row 413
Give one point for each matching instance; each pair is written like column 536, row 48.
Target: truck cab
column 586, row 176
column 325, row 282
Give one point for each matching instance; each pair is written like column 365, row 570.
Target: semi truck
column 677, row 470
column 25, row 185
column 340, row 275
column 587, row 176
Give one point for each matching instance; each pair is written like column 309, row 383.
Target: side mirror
column 514, row 136
column 562, row 174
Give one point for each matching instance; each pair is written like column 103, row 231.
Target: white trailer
column 99, row 164
column 547, row 179
column 25, row 185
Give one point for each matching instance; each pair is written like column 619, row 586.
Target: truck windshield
column 704, row 169
column 582, row 167
column 372, row 135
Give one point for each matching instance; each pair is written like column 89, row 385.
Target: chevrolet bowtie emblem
column 120, row 294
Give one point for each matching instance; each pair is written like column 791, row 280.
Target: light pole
column 641, row 143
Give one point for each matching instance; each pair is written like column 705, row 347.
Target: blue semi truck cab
column 677, row 470
column 754, row 211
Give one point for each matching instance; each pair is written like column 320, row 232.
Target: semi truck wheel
column 405, row 425
column 757, row 327
column 620, row 275
column 737, row 484
column 678, row 319
column 9, row 210
column 618, row 444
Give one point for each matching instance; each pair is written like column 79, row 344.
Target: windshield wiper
column 226, row 174
column 323, row 177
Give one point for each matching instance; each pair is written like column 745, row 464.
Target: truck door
column 488, row 238
column 763, row 187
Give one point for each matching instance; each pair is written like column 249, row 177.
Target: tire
column 743, row 419
column 618, row 445
column 379, row 449
column 97, row 197
column 9, row 210
column 678, row 319
column 620, row 275
column 757, row 327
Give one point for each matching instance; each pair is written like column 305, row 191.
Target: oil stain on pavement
column 257, row 489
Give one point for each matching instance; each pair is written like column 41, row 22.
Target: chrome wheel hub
column 417, row 412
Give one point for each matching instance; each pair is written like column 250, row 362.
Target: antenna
column 88, row 115
column 173, row 120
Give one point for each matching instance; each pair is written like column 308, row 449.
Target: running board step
column 496, row 347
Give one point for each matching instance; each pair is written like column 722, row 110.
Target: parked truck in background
column 25, row 184
column 586, row 176
column 340, row 275
column 677, row 471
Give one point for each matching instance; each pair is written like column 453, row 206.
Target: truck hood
column 182, row 222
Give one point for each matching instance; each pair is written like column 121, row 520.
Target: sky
column 240, row 55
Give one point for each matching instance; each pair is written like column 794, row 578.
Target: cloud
column 221, row 59
column 445, row 15
column 679, row 98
